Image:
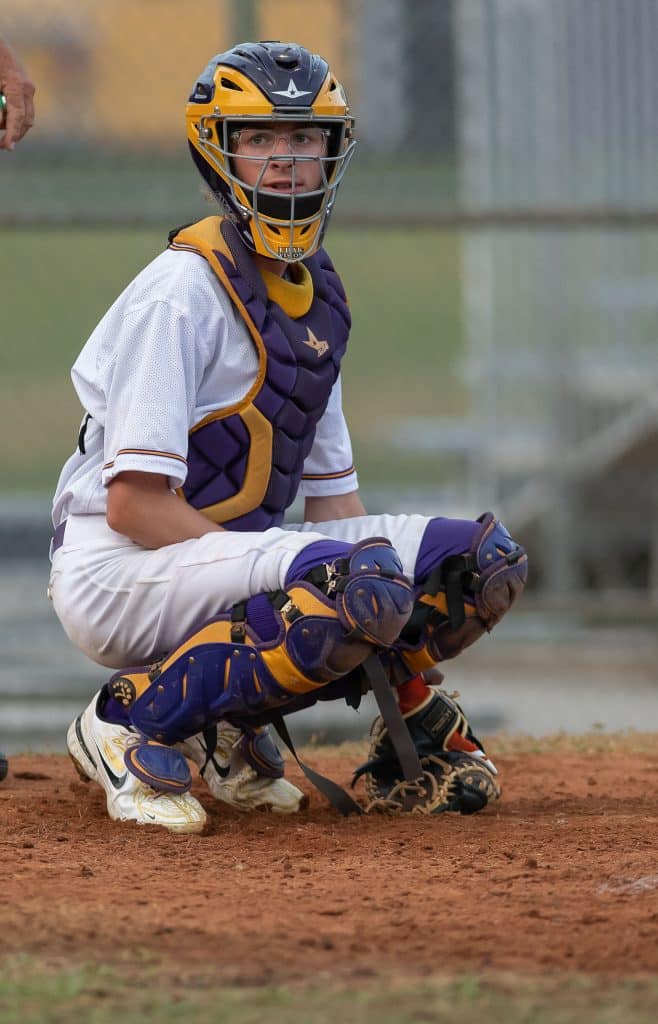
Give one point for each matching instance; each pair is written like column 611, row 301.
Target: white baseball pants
column 124, row 605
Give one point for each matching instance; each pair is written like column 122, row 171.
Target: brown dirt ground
column 561, row 874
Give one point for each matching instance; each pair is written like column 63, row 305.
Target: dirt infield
column 561, row 874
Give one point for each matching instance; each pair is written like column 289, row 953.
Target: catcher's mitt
column 457, row 775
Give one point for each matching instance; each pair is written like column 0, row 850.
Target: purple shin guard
column 270, row 650
column 371, row 599
column 372, row 595
column 374, row 599
column 502, row 570
column 468, row 575
column 162, row 768
column 443, row 538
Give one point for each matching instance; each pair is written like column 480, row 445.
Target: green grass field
column 34, row 994
column 404, row 290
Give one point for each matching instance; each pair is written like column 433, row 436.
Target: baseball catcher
column 212, row 398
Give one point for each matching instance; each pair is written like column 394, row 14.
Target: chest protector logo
column 245, row 462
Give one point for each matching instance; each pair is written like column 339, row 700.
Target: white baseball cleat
column 97, row 748
column 231, row 779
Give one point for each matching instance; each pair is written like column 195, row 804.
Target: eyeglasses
column 311, row 141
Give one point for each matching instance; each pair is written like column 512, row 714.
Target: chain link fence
column 113, row 78
column 558, row 112
column 530, row 127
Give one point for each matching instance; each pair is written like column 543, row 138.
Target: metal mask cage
column 283, row 214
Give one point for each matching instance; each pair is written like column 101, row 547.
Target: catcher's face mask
column 270, row 131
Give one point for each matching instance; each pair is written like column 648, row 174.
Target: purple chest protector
column 245, row 462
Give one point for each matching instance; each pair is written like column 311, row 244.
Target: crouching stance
column 212, row 395
column 259, row 657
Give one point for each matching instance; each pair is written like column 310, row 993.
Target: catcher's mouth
column 284, row 186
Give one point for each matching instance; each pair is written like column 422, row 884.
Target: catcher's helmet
column 268, row 84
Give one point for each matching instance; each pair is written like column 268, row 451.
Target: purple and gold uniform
column 218, row 370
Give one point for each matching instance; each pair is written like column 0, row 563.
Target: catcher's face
column 285, row 158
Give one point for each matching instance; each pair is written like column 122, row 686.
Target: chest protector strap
column 271, row 649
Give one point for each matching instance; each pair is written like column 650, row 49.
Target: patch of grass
column 403, row 358
column 55, row 288
column 54, row 185
column 590, row 743
column 594, row 743
column 31, row 993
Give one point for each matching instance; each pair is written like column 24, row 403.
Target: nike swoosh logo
column 220, row 768
column 116, row 780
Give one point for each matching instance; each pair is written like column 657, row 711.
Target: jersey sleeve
column 150, row 385
column 329, row 466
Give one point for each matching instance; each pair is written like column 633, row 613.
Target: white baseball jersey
column 168, row 352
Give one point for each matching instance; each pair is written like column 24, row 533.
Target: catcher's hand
column 457, row 775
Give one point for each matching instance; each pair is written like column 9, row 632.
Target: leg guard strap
column 290, row 644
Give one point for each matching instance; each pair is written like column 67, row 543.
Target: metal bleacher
column 558, row 104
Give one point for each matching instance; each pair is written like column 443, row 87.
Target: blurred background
column 497, row 234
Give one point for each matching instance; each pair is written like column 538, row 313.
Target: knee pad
column 273, row 648
column 373, row 597
column 464, row 596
